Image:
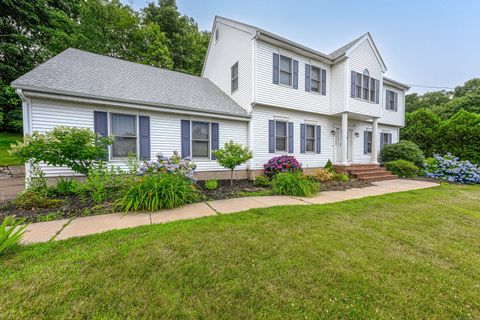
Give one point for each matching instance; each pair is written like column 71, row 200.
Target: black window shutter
column 295, row 74
column 215, row 138
column 276, row 68
column 290, row 137
column 324, row 82
column 319, row 140
column 271, row 136
column 307, row 77
column 100, row 126
column 185, row 139
column 144, row 129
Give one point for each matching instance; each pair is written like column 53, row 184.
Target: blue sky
column 432, row 43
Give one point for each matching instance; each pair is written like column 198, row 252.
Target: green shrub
column 65, row 187
column 211, row 184
column 158, row 191
column 30, row 199
column 262, row 181
column 103, row 183
column 294, row 184
column 403, row 150
column 342, row 176
column 232, row 155
column 329, row 166
column 11, row 232
column 402, row 168
column 77, row 148
column 37, row 181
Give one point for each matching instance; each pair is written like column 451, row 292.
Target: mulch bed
column 225, row 191
column 72, row 206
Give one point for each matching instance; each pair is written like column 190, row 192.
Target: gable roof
column 83, row 74
column 331, row 58
column 343, row 50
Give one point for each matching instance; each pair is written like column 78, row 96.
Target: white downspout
column 27, row 121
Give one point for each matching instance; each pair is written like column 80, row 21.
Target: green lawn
column 6, row 139
column 412, row 255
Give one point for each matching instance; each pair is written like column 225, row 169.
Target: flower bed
column 452, row 169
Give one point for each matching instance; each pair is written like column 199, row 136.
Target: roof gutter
column 56, row 95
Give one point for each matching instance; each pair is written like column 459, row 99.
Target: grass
column 411, row 255
column 6, row 139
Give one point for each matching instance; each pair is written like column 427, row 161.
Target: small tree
column 80, row 149
column 232, row 155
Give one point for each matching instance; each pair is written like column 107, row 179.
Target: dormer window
column 364, row 87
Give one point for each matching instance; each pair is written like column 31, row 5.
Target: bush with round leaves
column 402, row 168
column 403, row 150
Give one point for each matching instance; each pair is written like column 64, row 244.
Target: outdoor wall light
column 357, row 134
column 332, row 132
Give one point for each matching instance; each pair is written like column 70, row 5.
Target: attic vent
column 216, row 34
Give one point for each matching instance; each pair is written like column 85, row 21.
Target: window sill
column 363, row 100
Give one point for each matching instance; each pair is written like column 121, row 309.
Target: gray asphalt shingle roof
column 80, row 73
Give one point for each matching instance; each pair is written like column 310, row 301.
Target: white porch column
column 344, row 140
column 375, row 143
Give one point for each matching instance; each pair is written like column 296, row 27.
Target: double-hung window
column 310, row 138
column 366, row 88
column 358, row 85
column 124, row 131
column 315, row 83
column 280, row 136
column 390, row 103
column 372, row 90
column 369, row 141
column 286, row 71
column 200, row 139
column 387, row 138
column 234, row 77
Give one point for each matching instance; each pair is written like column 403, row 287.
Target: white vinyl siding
column 260, row 117
column 164, row 130
column 282, row 96
column 234, row 45
column 391, row 117
column 364, row 58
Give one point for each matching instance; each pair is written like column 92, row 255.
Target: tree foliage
column 445, row 121
column 232, row 155
column 33, row 31
column 80, row 149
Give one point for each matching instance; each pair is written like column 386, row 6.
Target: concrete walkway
column 67, row 228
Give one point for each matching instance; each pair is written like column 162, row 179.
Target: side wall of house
column 390, row 117
column 260, row 117
column 268, row 93
column 164, row 129
column 339, row 87
column 363, row 57
column 233, row 45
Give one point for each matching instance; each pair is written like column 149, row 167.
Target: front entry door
column 338, row 145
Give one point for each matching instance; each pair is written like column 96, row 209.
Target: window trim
column 275, row 135
column 111, row 157
column 209, row 140
column 232, row 79
column 361, row 85
column 391, row 100
column 319, row 79
column 369, row 141
column 280, row 71
column 314, row 138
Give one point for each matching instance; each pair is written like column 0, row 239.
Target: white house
column 258, row 89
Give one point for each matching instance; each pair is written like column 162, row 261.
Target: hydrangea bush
column 452, row 169
column 174, row 164
column 281, row 164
